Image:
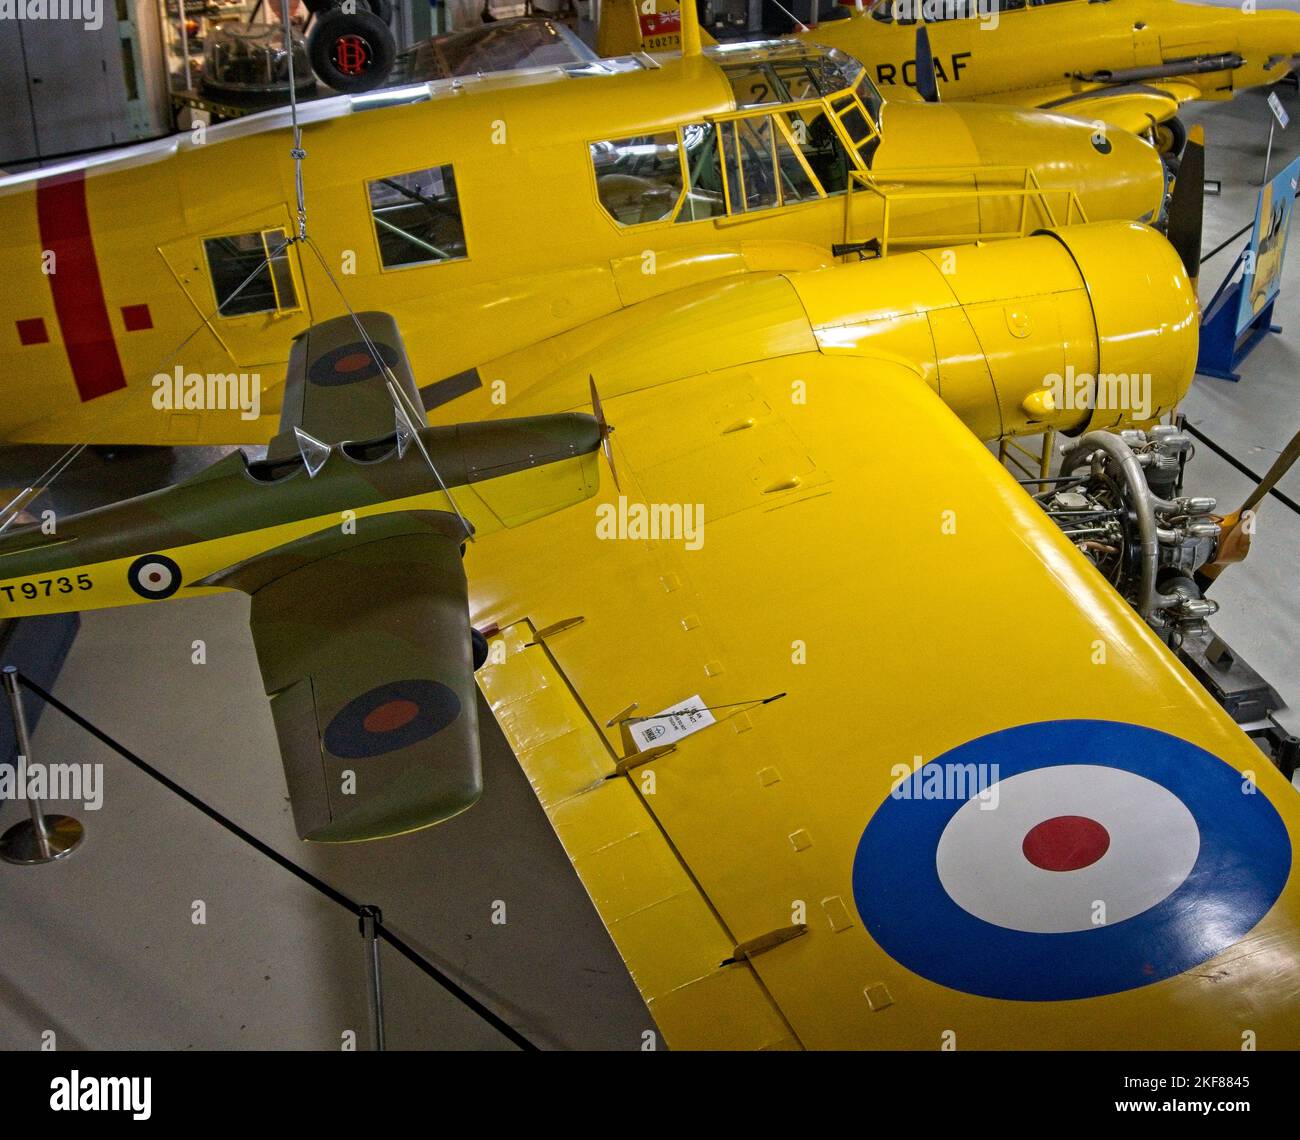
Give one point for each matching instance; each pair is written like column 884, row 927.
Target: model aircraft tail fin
column 1187, row 203
column 626, row 27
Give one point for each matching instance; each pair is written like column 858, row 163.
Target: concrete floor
column 101, row 948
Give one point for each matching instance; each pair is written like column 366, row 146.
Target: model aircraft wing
column 852, row 748
column 363, row 639
column 337, row 383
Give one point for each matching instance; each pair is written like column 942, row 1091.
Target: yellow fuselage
column 107, row 284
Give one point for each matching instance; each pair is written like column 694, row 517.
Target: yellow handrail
column 893, row 194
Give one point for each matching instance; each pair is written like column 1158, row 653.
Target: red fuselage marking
column 78, row 292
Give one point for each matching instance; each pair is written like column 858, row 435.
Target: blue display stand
column 1222, row 347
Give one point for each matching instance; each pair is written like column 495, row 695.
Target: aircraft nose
column 1134, row 185
column 1115, row 175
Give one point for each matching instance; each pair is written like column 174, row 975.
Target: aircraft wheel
column 1171, row 137
column 479, row 645
column 351, row 51
column 382, row 8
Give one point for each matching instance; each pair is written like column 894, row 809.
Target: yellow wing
column 863, row 555
column 1134, row 107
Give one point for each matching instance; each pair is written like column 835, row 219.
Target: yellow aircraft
column 1128, row 63
column 853, row 742
column 487, row 214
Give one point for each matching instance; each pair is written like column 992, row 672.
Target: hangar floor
column 101, row 948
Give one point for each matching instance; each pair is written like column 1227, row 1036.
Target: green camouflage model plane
column 349, row 537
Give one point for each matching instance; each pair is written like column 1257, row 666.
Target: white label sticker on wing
column 672, row 724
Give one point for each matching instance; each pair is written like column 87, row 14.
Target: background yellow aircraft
column 489, row 214
column 1128, row 63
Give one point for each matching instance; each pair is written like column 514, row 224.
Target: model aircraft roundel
column 390, row 716
column 154, row 576
column 1068, row 859
column 351, row 363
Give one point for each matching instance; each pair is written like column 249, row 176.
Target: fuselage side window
column 757, row 165
column 704, row 194
column 797, row 184
column 250, row 273
column 639, row 179
column 417, row 218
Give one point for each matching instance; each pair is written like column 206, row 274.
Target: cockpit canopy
column 806, row 119
column 781, row 71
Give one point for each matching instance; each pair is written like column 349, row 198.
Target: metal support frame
column 368, row 921
column 41, row 838
column 1014, row 454
column 1268, row 154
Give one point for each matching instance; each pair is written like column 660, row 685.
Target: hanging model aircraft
column 349, row 537
column 491, row 213
column 1128, row 63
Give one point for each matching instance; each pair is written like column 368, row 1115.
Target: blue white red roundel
column 154, row 576
column 1068, row 859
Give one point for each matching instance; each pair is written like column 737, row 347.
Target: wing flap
column 1134, row 107
column 662, row 925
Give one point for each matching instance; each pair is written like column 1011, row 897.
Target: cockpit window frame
column 833, row 107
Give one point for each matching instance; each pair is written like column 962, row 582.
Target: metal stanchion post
column 1268, row 154
column 42, row 838
column 369, row 919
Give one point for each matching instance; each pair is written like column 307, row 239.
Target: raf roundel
column 391, row 716
column 351, row 363
column 154, row 576
column 1078, row 858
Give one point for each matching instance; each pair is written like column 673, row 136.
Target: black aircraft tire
column 351, row 52
column 479, row 647
column 381, row 8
